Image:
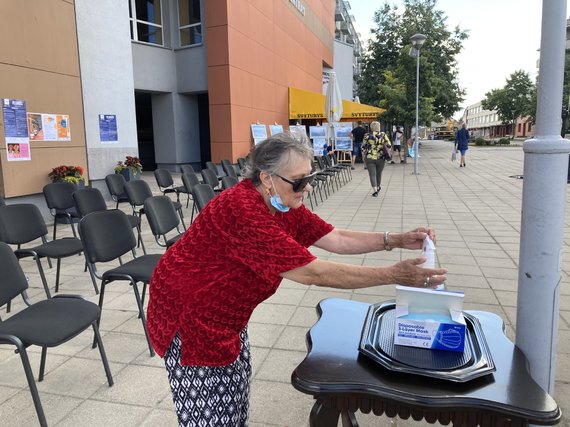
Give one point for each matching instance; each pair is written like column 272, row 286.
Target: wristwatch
column 387, row 246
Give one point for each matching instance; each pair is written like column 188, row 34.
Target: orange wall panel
column 219, row 83
column 240, row 87
column 268, row 46
column 217, row 52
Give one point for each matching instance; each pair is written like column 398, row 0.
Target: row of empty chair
column 105, row 237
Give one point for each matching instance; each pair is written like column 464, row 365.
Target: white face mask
column 276, row 201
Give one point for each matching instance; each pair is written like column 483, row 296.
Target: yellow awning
column 304, row 104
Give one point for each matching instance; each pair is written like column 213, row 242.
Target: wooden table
column 343, row 381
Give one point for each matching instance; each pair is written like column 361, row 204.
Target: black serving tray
column 377, row 343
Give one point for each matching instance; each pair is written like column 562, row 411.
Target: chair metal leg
column 93, row 278
column 32, row 385
column 140, row 239
column 101, row 297
column 43, row 276
column 193, row 210
column 182, row 218
column 102, row 353
column 142, row 317
column 42, row 364
column 57, row 275
column 54, row 227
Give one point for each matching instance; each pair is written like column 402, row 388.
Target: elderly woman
column 375, row 159
column 234, row 256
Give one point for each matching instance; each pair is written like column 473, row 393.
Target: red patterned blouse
column 207, row 284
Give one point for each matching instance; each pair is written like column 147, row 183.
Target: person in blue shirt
column 461, row 143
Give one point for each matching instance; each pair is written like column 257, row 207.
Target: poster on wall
column 108, row 128
column 48, row 127
column 16, row 130
column 275, row 129
column 259, row 132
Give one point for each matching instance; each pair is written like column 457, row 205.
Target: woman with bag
column 376, row 146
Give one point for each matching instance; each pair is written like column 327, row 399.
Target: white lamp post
column 417, row 43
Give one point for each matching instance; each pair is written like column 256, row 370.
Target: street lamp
column 417, row 43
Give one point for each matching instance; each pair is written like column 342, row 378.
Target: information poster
column 317, row 132
column 343, row 141
column 299, row 129
column 108, row 128
column 48, row 127
column 319, row 145
column 16, row 130
column 259, row 132
column 275, row 129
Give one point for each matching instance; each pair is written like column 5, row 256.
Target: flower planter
column 129, row 174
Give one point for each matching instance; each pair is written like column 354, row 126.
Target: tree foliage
column 514, row 100
column 388, row 76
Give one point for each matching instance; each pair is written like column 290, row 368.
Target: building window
column 146, row 21
column 189, row 21
column 529, row 126
column 519, row 128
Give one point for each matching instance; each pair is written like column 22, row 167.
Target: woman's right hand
column 408, row 273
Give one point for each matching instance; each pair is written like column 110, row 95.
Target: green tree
column 513, row 100
column 388, row 77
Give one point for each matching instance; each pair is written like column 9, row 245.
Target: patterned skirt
column 207, row 396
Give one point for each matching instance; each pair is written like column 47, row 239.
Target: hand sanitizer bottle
column 428, row 251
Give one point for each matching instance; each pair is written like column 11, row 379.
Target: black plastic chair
column 229, row 181
column 162, row 219
column 116, row 186
column 138, row 191
column 23, row 223
column 202, row 194
column 47, row 323
column 189, row 170
column 212, row 166
column 210, row 178
column 166, row 184
column 59, row 200
column 89, row 200
column 107, row 236
column 190, row 180
column 229, row 168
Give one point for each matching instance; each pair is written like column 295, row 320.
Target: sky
column 504, row 36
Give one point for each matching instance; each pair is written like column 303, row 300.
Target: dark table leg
column 349, row 419
column 322, row 416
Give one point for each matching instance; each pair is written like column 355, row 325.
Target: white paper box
column 429, row 319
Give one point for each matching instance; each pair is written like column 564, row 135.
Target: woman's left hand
column 414, row 239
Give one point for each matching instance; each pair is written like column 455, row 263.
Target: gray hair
column 273, row 154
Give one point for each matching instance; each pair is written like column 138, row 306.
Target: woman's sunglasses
column 300, row 184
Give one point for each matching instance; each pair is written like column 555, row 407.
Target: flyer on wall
column 16, row 130
column 108, row 128
column 49, row 127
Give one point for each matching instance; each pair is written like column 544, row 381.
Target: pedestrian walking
column 357, row 135
column 375, row 145
column 462, row 143
column 397, row 144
